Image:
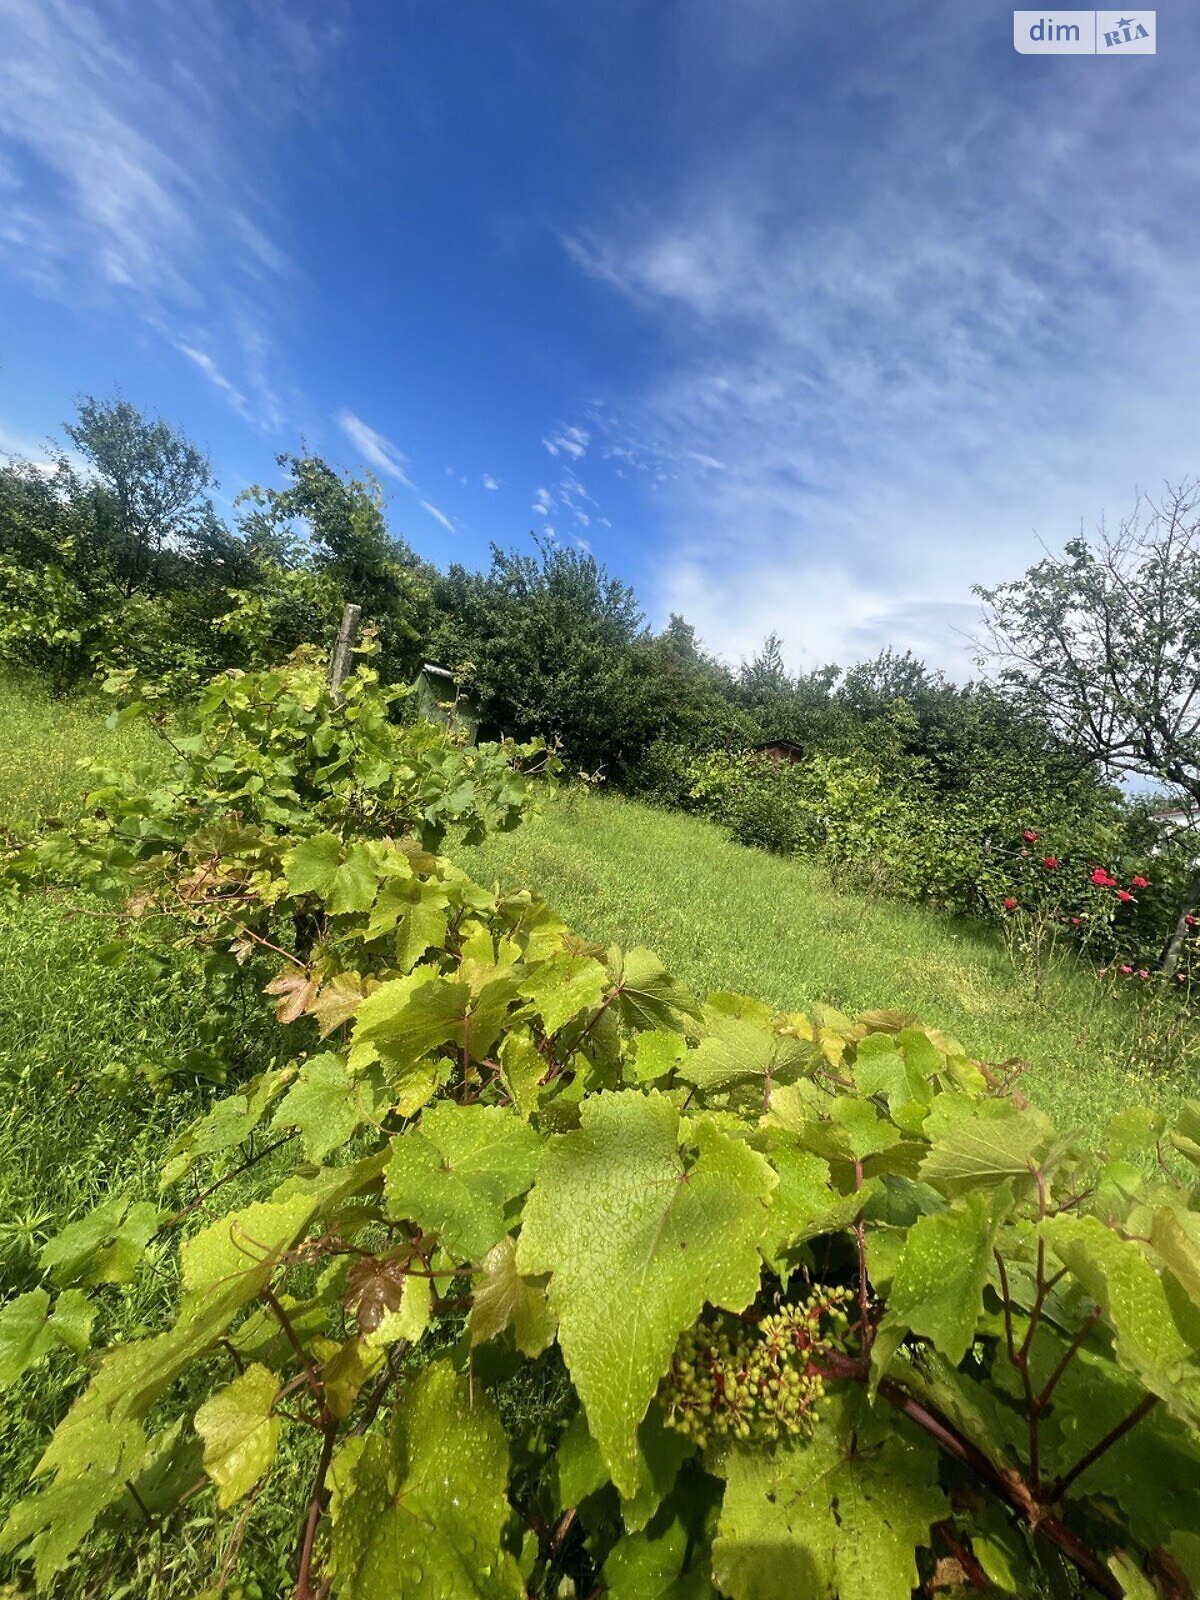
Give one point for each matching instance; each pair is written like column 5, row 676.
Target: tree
column 337, row 523
column 1104, row 640
column 154, row 481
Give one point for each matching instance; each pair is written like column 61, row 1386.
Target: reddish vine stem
column 1061, row 1485
column 1073, row 1348
column 205, row 1194
column 860, row 1235
column 316, row 1506
column 1009, row 1486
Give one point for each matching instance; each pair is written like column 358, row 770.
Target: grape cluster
column 763, row 1381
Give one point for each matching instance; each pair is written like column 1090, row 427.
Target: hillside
column 725, row 917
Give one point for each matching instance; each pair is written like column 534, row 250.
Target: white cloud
column 489, row 482
column 213, row 373
column 884, row 369
column 570, row 441
column 439, row 516
column 127, row 161
column 375, row 450
column 543, row 503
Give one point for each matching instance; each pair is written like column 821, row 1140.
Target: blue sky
column 802, row 317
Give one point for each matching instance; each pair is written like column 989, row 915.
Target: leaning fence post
column 339, row 661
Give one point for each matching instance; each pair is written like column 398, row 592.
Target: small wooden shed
column 778, row 750
column 441, row 698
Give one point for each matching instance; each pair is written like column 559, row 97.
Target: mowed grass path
column 725, row 917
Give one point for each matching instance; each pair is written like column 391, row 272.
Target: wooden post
column 339, row 661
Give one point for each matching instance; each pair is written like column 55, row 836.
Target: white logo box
column 1084, row 33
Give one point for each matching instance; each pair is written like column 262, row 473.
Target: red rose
column 1010, row 904
column 1126, row 970
column 1190, row 921
column 1029, row 836
column 1051, row 863
column 1142, row 973
column 1099, row 876
column 1074, row 922
column 1139, row 883
column 1124, row 896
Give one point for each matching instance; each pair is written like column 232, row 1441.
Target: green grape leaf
column 326, row 1105
column 502, row 1299
column 1175, row 1236
column 651, row 1566
column 421, row 1513
column 648, row 997
column 1186, row 1134
column 937, row 1289
column 240, row 1435
column 564, row 987
column 312, row 866
column 103, row 1247
column 230, row 1122
column 25, row 1334
column 581, row 1470
column 238, row 1253
column 656, row 1055
column 406, row 1018
column 71, row 1320
column 455, row 1174
column 997, row 1144
column 637, row 1242
column 804, row 1203
column 354, row 883
column 741, row 1054
column 1134, row 1303
column 835, row 1517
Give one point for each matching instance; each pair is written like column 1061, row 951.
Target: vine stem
column 1061, row 1485
column 1008, row 1485
column 316, row 1505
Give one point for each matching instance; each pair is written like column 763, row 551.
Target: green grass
column 724, row 917
column 81, row 1043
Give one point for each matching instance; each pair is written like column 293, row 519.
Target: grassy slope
column 724, row 917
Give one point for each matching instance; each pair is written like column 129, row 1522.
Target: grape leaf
column 937, row 1290
column 563, row 987
column 103, row 1247
column 455, row 1174
column 240, row 1435
column 648, row 997
column 25, row 1335
column 999, row 1142
column 312, row 865
column 325, row 1105
column 636, row 1243
column 502, row 1299
column 737, row 1053
column 1130, row 1294
column 804, row 1204
column 835, row 1517
column 581, row 1469
column 421, row 1513
column 651, row 1566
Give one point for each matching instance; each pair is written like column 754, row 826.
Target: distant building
column 441, row 698
column 780, row 750
column 1179, row 819
column 1176, row 817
